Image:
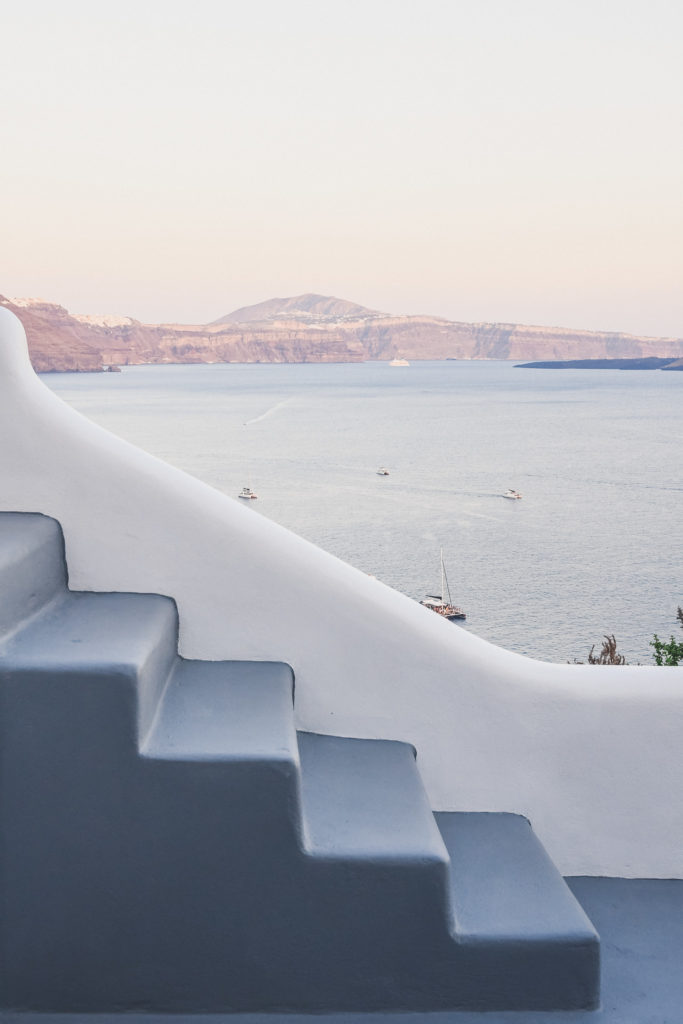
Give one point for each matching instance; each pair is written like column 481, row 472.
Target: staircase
column 171, row 843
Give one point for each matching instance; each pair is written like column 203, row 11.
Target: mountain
column 299, row 307
column 307, row 329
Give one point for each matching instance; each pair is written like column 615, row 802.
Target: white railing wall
column 592, row 755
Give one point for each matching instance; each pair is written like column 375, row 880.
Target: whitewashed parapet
column 591, row 755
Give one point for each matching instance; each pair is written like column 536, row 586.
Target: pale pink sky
column 507, row 160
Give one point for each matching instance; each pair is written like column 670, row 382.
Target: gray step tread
column 226, row 710
column 32, row 568
column 504, row 886
column 365, row 799
column 86, row 631
column 22, row 533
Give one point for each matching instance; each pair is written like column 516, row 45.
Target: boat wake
column 480, row 515
column 268, row 412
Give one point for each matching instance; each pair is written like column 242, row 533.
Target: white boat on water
column 438, row 603
column 513, row 495
column 382, row 471
column 399, row 362
column 247, row 494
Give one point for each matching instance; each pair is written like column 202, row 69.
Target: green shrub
column 668, row 652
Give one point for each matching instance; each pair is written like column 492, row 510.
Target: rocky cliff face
column 306, row 329
column 56, row 340
column 428, row 338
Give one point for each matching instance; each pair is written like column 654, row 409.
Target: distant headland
column 647, row 363
column 310, row 328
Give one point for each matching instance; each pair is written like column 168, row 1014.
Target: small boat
column 247, row 494
column 513, row 495
column 438, row 603
column 382, row 471
column 399, row 362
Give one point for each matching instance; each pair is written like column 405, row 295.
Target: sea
column 594, row 547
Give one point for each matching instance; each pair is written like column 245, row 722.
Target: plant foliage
column 668, row 652
column 608, row 653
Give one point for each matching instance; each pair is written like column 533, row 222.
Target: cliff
column 56, row 340
column 304, row 329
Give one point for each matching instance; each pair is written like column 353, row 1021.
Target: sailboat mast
column 444, row 580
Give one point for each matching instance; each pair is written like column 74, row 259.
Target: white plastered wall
column 592, row 755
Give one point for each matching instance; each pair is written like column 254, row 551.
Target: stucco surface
column 591, row 755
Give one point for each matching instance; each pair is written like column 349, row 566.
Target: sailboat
column 438, row 603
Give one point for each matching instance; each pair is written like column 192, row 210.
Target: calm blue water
column 595, row 545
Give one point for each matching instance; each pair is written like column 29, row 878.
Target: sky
column 482, row 160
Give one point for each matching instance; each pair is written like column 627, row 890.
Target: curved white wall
column 592, row 755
